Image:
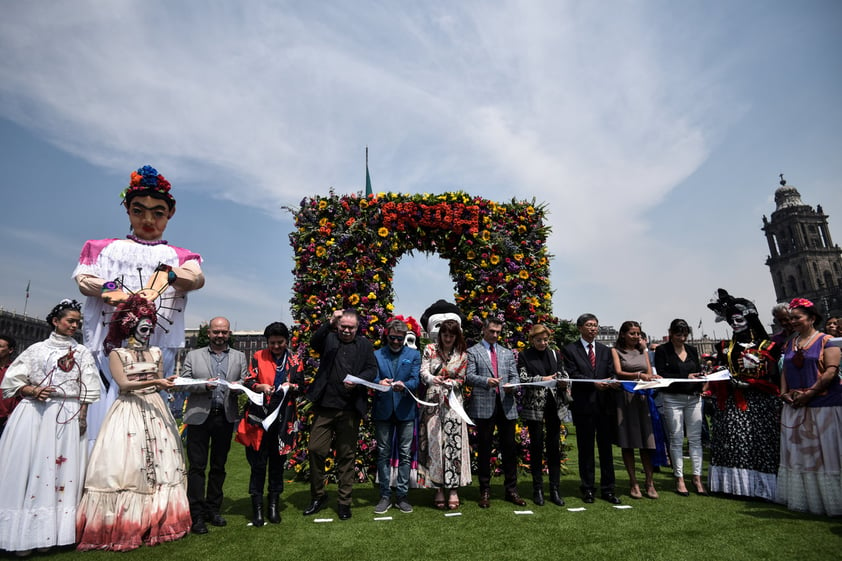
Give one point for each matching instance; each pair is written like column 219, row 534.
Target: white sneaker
column 383, row 506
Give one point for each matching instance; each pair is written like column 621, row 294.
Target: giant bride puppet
column 143, row 263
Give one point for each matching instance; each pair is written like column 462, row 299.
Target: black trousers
column 506, row 435
column 601, row 427
column 536, row 447
column 207, row 443
column 267, row 457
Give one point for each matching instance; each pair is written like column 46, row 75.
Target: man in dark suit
column 593, row 408
column 394, row 412
column 490, row 367
column 211, row 414
column 338, row 406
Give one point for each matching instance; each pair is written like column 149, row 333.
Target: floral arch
column 346, row 248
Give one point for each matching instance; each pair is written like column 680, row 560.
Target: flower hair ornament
column 147, row 179
column 126, row 317
column 725, row 306
column 411, row 324
column 66, row 304
column 800, row 303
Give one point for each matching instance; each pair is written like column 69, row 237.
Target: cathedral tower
column 803, row 260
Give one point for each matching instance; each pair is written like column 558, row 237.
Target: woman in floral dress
column 444, row 455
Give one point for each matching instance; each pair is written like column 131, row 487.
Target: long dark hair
column 621, row 337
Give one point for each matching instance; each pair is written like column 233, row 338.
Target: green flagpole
column 368, row 190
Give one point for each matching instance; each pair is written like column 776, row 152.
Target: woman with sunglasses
column 810, row 472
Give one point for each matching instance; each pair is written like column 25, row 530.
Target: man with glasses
column 210, row 416
column 338, row 406
column 394, row 413
column 593, row 408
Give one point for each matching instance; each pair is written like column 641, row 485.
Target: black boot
column 538, row 495
column 274, row 515
column 555, row 497
column 257, row 510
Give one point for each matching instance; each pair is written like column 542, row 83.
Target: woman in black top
column 682, row 404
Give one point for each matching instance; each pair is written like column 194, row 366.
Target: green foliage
column 203, row 340
column 565, row 332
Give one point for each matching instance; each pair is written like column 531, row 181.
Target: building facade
column 26, row 330
column 803, row 260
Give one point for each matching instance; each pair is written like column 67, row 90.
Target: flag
column 700, row 323
column 27, row 289
column 368, row 190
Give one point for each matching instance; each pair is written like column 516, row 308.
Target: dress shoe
column 316, row 505
column 514, row 498
column 611, row 498
column 484, row 498
column 538, row 497
column 217, row 520
column 199, row 526
column 555, row 498
column 587, row 497
column 273, row 515
column 344, row 512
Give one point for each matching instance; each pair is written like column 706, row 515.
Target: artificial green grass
column 671, row 528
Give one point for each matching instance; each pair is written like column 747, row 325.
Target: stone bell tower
column 803, row 260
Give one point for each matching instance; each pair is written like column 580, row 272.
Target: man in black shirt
column 338, row 406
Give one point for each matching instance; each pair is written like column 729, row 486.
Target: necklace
column 145, row 242
column 800, row 342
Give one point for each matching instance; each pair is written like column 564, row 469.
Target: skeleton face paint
column 143, row 331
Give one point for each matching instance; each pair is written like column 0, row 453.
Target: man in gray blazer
column 210, row 417
column 490, row 367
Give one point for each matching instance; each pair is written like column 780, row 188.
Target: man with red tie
column 490, row 367
column 593, row 408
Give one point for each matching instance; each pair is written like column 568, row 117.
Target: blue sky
column 654, row 131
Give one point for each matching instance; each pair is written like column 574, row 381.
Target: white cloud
column 599, row 111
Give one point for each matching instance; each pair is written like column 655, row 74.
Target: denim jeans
column 683, row 412
column 401, row 433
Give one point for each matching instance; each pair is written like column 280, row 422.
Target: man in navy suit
column 593, row 408
column 394, row 413
column 490, row 367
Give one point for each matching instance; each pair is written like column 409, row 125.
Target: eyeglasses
column 347, row 327
column 397, row 338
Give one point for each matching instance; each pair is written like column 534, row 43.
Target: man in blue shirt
column 394, row 413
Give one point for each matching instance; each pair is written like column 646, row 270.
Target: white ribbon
column 717, row 376
column 457, row 407
column 267, row 422
column 254, row 397
column 351, row 379
column 542, row 383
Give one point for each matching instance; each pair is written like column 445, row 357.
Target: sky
column 654, row 131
